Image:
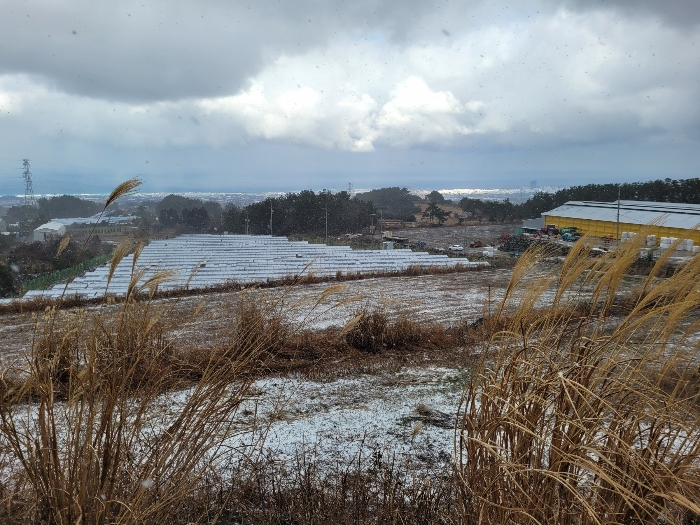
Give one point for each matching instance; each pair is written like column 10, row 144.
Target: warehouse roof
column 51, row 226
column 669, row 214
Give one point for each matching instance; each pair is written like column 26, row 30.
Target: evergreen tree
column 65, row 206
column 436, row 197
column 434, row 213
column 168, row 218
column 305, row 213
column 197, row 218
column 396, row 203
column 668, row 190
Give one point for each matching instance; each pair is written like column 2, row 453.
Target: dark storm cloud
column 168, row 49
column 675, row 12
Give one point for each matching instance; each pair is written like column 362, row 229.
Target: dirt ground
column 444, row 236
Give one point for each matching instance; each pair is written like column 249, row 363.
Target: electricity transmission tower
column 29, row 200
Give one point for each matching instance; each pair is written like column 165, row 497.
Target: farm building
column 50, row 229
column 663, row 219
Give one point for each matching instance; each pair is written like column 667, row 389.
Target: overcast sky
column 269, row 95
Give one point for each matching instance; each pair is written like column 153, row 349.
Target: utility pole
column 271, row 217
column 381, row 227
column 326, row 223
column 247, row 220
column 618, row 215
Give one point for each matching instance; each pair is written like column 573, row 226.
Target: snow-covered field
column 406, row 410
column 429, row 298
column 409, row 414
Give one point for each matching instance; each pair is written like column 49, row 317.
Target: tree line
column 301, row 213
column 57, row 207
column 203, row 216
column 394, row 202
column 305, row 212
column 685, row 191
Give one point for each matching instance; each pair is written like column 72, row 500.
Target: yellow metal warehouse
column 599, row 219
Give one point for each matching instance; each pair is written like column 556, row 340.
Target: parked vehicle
column 456, row 248
column 569, row 229
column 550, row 229
column 570, row 237
column 476, row 244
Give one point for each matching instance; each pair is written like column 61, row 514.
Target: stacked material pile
column 686, row 245
column 516, row 243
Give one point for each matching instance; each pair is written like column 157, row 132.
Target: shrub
column 367, row 331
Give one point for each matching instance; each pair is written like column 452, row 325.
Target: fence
column 43, row 282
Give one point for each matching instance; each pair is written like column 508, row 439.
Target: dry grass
column 370, row 330
column 570, row 417
column 82, row 440
column 82, row 427
column 375, row 489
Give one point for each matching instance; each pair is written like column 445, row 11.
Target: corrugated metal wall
column 606, row 228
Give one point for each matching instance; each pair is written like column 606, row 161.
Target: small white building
column 48, row 230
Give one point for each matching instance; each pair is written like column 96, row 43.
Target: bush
column 368, row 331
column 371, row 331
column 7, row 282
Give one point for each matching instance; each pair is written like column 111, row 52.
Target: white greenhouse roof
column 94, row 219
column 51, row 226
column 669, row 214
column 201, row 261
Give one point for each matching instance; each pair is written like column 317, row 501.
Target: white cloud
column 417, row 114
column 561, row 77
column 272, row 115
column 414, row 113
column 9, row 103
